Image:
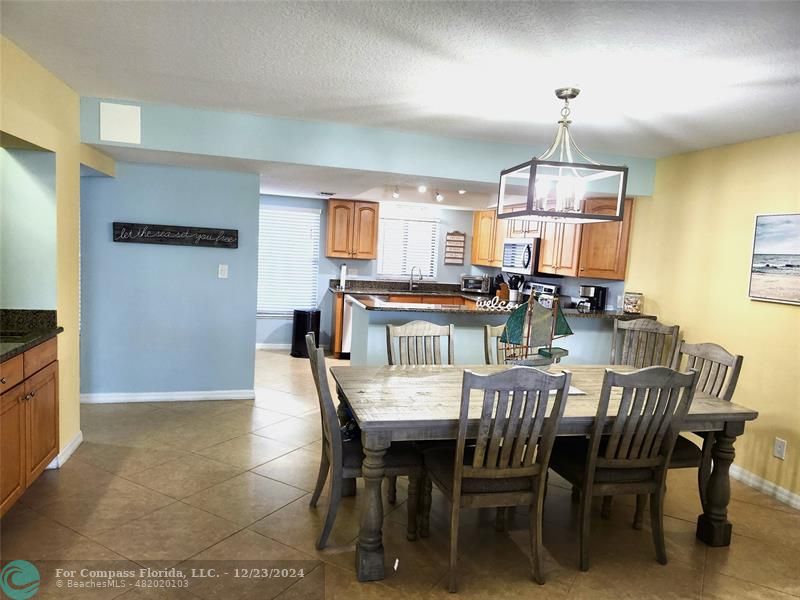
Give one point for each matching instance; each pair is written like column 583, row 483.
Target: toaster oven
column 475, row 284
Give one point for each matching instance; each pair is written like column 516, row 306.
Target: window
column 408, row 243
column 288, row 259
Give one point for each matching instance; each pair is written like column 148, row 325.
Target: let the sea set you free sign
column 175, row 235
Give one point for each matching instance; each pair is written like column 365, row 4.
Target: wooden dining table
column 418, row 403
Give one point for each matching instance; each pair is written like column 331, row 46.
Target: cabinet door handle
column 2, row 380
column 27, row 397
column 33, row 394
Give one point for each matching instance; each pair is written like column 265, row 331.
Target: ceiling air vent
column 327, row 193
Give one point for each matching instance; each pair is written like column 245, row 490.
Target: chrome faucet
column 411, row 284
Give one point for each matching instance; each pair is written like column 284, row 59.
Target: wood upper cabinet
column 524, row 228
column 28, row 422
column 559, row 250
column 597, row 250
column 488, row 235
column 604, row 246
column 352, row 229
column 41, row 421
column 12, row 447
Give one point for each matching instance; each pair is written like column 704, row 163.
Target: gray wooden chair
column 646, row 343
column 507, row 466
column 343, row 459
column 718, row 372
column 635, row 456
column 496, row 352
column 419, row 343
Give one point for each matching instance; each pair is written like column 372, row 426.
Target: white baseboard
column 168, row 396
column 260, row 346
column 64, row 455
column 767, row 487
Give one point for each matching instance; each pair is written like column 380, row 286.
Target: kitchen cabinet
column 560, row 248
column 28, row 421
column 406, row 299
column 352, row 230
column 488, row 235
column 604, row 246
column 524, row 228
column 453, row 300
column 597, row 250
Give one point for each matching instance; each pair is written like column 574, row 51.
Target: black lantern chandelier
column 553, row 186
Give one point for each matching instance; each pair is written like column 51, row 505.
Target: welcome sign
column 175, row 235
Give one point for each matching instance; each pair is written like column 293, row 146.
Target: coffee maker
column 593, row 297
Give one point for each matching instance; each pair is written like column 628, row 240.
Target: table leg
column 369, row 550
column 713, row 526
column 348, row 483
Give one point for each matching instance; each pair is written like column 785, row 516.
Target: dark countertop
column 11, row 346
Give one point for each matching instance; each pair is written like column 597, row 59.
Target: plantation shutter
column 408, row 243
column 288, row 259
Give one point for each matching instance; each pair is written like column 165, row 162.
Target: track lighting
column 439, row 196
column 422, row 189
column 462, row 192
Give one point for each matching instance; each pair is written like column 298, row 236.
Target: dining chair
column 650, row 405
column 417, row 343
column 718, row 372
column 507, row 465
column 343, row 459
column 646, row 343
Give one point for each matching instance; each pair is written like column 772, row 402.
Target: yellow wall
column 39, row 108
column 690, row 256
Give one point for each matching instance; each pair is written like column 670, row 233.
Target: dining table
column 422, row 403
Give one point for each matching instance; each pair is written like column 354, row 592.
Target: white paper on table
column 573, row 391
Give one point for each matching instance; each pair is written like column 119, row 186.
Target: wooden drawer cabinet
column 352, row 229
column 406, row 299
column 28, row 422
column 455, row 300
column 11, row 373
column 488, row 235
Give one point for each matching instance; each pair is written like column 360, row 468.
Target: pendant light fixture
column 553, row 186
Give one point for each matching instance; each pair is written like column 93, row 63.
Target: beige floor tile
column 104, row 507
column 284, row 402
column 756, row 521
column 125, row 460
column 245, row 498
column 167, row 536
column 245, row 419
column 248, row 451
column 328, row 582
column 27, row 535
column 75, row 476
column 771, row 564
column 195, row 434
column 722, row 587
column 299, row 468
column 185, row 476
column 153, row 594
column 638, row 580
column 204, row 407
column 248, row 550
column 293, row 430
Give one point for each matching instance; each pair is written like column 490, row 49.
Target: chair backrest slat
column 645, row 343
column 719, row 369
column 493, row 348
column 419, row 343
column 515, row 432
column 653, row 403
column 332, row 435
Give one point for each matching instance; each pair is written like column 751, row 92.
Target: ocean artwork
column 775, row 267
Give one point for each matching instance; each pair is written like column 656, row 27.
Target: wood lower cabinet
column 28, row 423
column 597, row 250
column 488, row 235
column 352, row 230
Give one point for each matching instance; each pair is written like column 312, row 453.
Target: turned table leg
column 348, row 483
column 713, row 526
column 369, row 550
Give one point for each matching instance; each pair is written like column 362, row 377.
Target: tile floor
column 163, row 483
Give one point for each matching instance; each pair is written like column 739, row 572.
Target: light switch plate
column 779, row 448
column 222, row 271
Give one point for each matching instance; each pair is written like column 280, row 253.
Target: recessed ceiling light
column 396, row 193
column 439, row 196
column 422, row 189
column 462, row 192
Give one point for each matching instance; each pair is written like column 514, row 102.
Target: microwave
column 521, row 256
column 475, row 284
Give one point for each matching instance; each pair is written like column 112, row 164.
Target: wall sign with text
column 175, row 235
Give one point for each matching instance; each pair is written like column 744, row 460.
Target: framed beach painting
column 775, row 265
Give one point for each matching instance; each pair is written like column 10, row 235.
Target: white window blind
column 288, row 259
column 408, row 243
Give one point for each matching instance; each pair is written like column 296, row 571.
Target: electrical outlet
column 779, row 448
column 222, row 272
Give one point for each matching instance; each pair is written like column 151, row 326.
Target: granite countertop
column 17, row 342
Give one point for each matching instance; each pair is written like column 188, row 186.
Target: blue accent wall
column 156, row 318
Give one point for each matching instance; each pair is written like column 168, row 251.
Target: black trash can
column 305, row 321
